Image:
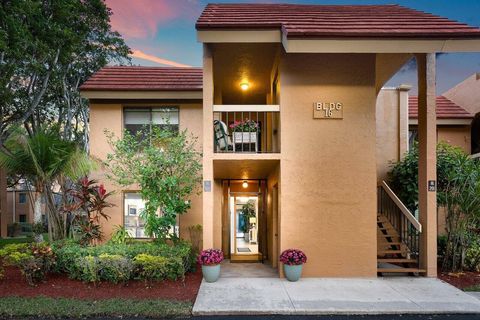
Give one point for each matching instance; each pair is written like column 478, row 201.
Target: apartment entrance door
column 244, row 221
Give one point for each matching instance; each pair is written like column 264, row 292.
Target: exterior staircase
column 398, row 233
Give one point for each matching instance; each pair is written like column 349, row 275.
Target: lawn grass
column 475, row 287
column 72, row 308
column 5, row 241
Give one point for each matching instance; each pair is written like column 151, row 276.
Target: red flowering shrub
column 293, row 257
column 210, row 257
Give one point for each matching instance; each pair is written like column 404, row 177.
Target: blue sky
column 164, row 31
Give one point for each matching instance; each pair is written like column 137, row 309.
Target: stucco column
column 207, row 148
column 427, row 162
column 403, row 119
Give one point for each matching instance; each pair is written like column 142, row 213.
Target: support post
column 427, row 162
column 208, row 183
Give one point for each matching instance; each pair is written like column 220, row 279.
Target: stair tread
column 396, row 260
column 389, row 251
column 400, row 270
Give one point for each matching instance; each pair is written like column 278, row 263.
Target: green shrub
column 150, row 267
column 86, row 263
column 472, row 254
column 115, row 268
column 34, row 260
column 89, row 269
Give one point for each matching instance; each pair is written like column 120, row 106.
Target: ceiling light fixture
column 244, row 86
column 245, row 184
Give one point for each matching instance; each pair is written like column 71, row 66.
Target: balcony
column 246, row 128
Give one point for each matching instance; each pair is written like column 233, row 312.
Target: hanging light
column 244, row 86
column 245, row 184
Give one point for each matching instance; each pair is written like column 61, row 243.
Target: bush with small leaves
column 114, row 268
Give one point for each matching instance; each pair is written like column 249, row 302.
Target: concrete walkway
column 395, row 295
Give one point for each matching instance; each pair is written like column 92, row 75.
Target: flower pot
column 293, row 272
column 211, row 273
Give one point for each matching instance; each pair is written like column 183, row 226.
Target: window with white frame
column 144, row 118
column 133, row 206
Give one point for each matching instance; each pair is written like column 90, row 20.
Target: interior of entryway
column 247, row 211
column 246, row 220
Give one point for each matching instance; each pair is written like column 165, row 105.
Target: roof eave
column 194, row 94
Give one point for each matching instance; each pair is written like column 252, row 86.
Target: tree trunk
column 37, row 216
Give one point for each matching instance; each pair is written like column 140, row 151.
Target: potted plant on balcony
column 245, row 132
column 293, row 260
column 210, row 260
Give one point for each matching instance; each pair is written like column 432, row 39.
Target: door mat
column 244, row 250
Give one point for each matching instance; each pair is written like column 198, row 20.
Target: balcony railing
column 246, row 128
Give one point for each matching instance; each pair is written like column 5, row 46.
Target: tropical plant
column 120, row 235
column 34, row 260
column 89, row 203
column 458, row 190
column 167, row 167
column 461, row 198
column 45, row 159
column 248, row 211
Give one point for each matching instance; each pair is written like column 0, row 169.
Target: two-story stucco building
column 285, row 109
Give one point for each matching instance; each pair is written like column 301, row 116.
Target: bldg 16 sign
column 328, row 110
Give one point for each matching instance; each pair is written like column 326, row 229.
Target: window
column 137, row 119
column 412, row 138
column 22, row 198
column 134, row 224
column 22, row 218
column 133, row 206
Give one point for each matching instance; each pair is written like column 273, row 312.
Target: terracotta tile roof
column 129, row 78
column 320, row 21
column 446, row 109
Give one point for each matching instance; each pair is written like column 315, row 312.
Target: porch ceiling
column 243, row 169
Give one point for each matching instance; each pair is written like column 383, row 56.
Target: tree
column 48, row 48
column 45, row 159
column 165, row 165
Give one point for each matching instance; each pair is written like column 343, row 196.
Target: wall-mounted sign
column 432, row 185
column 207, row 186
column 328, row 110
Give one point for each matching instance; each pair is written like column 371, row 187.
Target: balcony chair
column 223, row 141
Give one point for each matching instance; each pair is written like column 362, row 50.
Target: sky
column 162, row 33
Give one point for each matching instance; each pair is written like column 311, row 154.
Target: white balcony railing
column 246, row 128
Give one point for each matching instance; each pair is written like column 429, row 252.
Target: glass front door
column 244, row 225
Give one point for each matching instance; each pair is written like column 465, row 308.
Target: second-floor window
column 22, row 198
column 143, row 119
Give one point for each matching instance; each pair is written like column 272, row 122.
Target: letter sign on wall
column 328, row 110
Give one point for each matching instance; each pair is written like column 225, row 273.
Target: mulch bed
column 58, row 285
column 461, row 280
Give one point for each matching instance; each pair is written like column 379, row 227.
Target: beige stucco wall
column 455, row 135
column 110, row 116
column 328, row 167
column 466, row 94
column 391, row 128
column 20, row 208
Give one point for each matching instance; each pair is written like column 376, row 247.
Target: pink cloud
column 142, row 55
column 141, row 18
